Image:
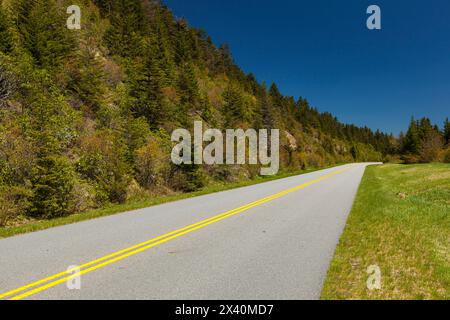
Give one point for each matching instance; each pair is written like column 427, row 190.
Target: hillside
column 86, row 115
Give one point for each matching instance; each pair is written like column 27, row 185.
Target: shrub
column 447, row 156
column 152, row 165
column 430, row 147
column 84, row 197
column 102, row 161
column 409, row 159
column 314, row 160
column 17, row 156
column 13, row 202
column 53, row 181
column 187, row 178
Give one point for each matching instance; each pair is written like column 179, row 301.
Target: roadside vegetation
column 400, row 222
column 86, row 115
column 23, row 224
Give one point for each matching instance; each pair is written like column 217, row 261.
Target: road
column 268, row 241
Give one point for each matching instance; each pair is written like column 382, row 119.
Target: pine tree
column 233, row 106
column 124, row 37
column 53, row 181
column 146, row 85
column 5, row 34
column 447, row 131
column 264, row 107
column 44, row 33
column 411, row 142
column 88, row 79
column 188, row 86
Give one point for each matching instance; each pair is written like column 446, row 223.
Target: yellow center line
column 130, row 251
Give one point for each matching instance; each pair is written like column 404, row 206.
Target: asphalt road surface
column 269, row 241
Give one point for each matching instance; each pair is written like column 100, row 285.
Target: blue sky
column 323, row 51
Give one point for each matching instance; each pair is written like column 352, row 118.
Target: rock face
column 292, row 142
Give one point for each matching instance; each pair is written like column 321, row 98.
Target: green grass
column 134, row 205
column 400, row 222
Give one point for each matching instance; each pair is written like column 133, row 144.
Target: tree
column 146, row 84
column 88, row 79
column 127, row 19
column 53, row 181
column 188, row 87
column 411, row 142
column 5, row 33
column 234, row 109
column 44, row 35
column 430, row 147
column 447, row 131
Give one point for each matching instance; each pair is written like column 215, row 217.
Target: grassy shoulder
column 400, row 222
column 134, row 205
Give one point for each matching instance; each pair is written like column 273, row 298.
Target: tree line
column 86, row 115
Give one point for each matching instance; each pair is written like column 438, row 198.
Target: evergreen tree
column 41, row 23
column 53, row 181
column 411, row 142
column 124, row 37
column 447, row 131
column 188, row 87
column 88, row 79
column 148, row 74
column 5, row 34
column 266, row 118
column 146, row 84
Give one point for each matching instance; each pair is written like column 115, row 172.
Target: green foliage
column 237, row 107
column 6, row 42
column 103, row 163
column 447, row 131
column 127, row 23
column 8, row 84
column 447, row 156
column 400, row 220
column 86, row 116
column 188, row 178
column 13, row 202
column 423, row 142
column 152, row 165
column 87, row 79
column 52, row 184
column 44, row 34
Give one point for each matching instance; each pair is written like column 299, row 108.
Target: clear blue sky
column 322, row 50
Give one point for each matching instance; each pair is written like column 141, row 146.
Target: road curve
column 268, row 241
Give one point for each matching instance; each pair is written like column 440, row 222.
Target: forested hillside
column 86, row 115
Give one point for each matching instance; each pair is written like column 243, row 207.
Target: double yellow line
column 56, row 279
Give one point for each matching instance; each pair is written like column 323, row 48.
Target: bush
column 53, row 181
column 17, row 156
column 13, row 202
column 84, row 197
column 102, row 161
column 152, row 165
column 409, row 159
column 447, row 156
column 430, row 147
column 187, row 178
column 314, row 160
